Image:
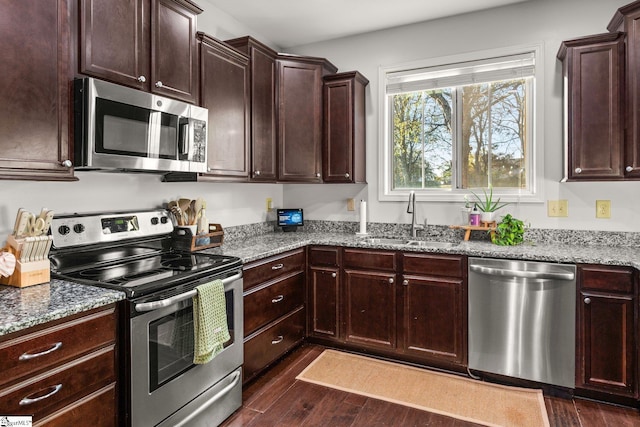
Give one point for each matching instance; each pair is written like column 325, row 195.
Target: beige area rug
column 458, row 397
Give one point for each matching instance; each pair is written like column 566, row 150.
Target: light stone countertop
column 26, row 307
column 37, row 304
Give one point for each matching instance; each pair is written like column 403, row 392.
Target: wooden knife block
column 28, row 273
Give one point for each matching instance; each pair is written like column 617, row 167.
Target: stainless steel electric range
column 132, row 252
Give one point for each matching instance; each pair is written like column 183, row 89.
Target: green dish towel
column 209, row 321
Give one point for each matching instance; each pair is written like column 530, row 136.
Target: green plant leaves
column 509, row 232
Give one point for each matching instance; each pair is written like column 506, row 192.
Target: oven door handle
column 154, row 305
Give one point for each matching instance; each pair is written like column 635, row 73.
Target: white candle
column 363, row 217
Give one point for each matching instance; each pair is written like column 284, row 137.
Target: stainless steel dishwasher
column 522, row 319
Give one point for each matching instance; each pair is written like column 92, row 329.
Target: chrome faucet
column 411, row 208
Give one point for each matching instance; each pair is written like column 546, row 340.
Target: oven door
column 164, row 378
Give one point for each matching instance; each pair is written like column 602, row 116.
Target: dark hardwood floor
column 278, row 399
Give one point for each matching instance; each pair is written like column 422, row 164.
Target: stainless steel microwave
column 117, row 127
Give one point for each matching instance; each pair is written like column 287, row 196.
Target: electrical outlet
column 603, row 208
column 558, row 208
column 351, row 205
column 269, row 207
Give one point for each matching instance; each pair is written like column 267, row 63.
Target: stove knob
column 154, row 220
column 78, row 228
column 164, row 219
column 64, row 230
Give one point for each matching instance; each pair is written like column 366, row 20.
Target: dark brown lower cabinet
column 606, row 337
column 324, row 287
column 370, row 308
column 434, row 321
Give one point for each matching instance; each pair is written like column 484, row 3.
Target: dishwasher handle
column 522, row 273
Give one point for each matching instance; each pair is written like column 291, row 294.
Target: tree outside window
column 466, row 136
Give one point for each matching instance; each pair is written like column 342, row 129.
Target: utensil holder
column 185, row 240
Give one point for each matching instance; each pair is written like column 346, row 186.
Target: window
column 459, row 126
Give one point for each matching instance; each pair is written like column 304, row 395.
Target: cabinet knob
column 346, row 175
column 317, row 174
column 256, row 173
column 390, row 279
column 587, row 300
column 578, row 170
column 158, row 83
column 333, row 274
column 405, row 282
column 67, row 163
column 142, row 79
column 629, row 168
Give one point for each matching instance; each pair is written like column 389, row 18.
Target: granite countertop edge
column 38, row 304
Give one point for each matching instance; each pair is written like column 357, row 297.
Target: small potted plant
column 487, row 205
column 509, row 232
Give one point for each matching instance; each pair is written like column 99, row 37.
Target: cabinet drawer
column 433, row 265
column 266, row 304
column 96, row 409
column 606, row 278
column 324, row 255
column 55, row 345
column 272, row 267
column 60, row 386
column 262, row 348
column 369, row 260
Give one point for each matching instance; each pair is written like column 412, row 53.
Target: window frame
column 536, row 154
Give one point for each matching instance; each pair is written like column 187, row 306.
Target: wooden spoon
column 184, row 205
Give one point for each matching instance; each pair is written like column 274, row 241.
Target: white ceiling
column 290, row 23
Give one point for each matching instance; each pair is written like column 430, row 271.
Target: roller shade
column 462, row 73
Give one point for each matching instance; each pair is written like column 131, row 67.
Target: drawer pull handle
column 27, row 356
column 277, row 299
column 277, row 266
column 277, row 340
column 29, row 400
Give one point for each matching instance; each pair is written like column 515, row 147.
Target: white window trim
column 535, row 195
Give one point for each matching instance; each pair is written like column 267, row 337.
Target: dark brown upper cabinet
column 627, row 20
column 264, row 145
column 224, row 91
column 344, row 149
column 593, row 71
column 145, row 44
column 299, row 116
column 36, row 90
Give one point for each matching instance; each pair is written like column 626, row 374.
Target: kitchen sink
column 430, row 244
column 407, row 242
column 385, row 241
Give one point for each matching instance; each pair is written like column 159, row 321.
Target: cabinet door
column 224, row 83
column 324, row 287
column 631, row 27
column 370, row 308
column 605, row 359
column 299, row 121
column 434, row 321
column 594, row 84
column 114, row 41
column 344, row 128
column 34, row 112
column 174, row 56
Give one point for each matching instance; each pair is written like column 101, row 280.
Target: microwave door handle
column 154, row 305
column 183, row 143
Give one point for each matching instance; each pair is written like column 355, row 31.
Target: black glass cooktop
column 138, row 271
